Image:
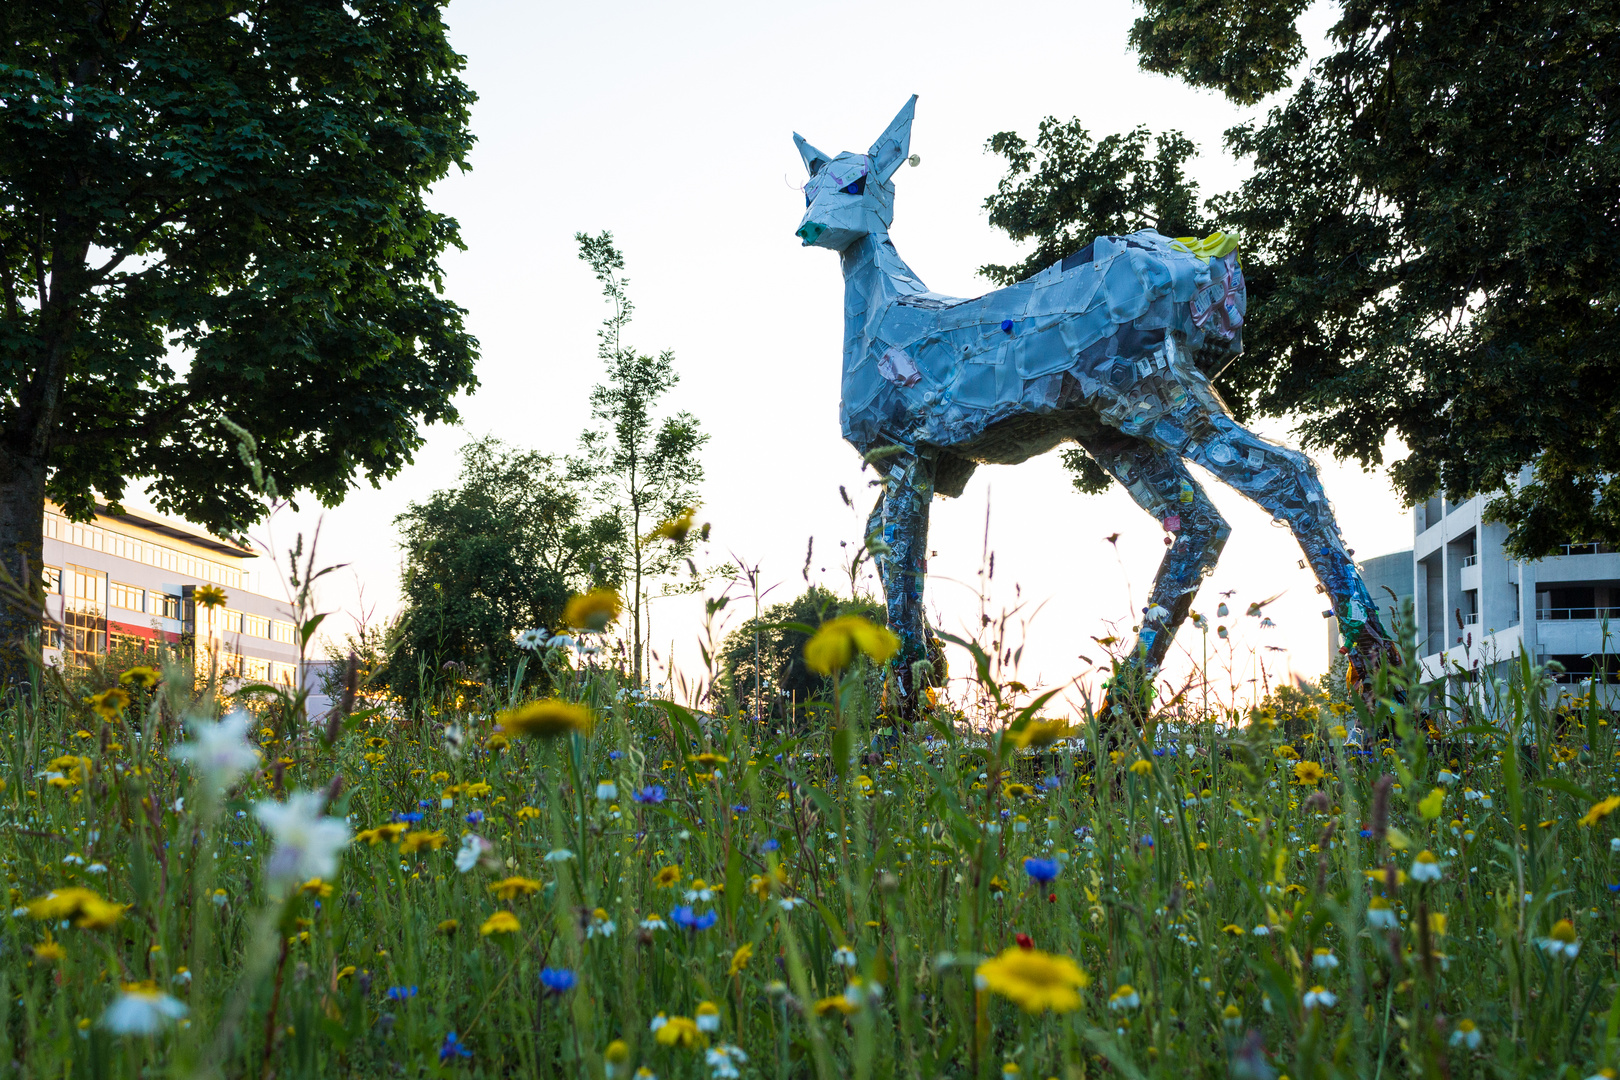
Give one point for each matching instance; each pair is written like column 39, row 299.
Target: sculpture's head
column 852, row 195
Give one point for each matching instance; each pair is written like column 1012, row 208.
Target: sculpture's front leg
column 904, row 567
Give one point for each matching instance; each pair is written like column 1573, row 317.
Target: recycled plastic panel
column 1112, row 347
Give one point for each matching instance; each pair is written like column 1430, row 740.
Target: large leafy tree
column 216, row 209
column 764, row 657
column 1429, row 236
column 499, row 553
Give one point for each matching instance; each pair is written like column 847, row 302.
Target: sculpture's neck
column 874, row 275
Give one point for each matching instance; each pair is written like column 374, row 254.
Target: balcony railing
column 1471, row 619
column 1471, row 560
column 1577, row 614
column 1586, row 549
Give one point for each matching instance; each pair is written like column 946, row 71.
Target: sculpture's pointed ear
column 894, row 145
column 814, row 160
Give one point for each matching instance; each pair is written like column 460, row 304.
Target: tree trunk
column 22, row 540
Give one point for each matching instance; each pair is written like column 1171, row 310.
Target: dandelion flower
column 668, row 877
column 49, row 951
column 502, row 922
column 449, row 926
column 740, row 958
column 143, row 677
column 593, row 611
column 1308, row 773
column 547, row 719
column 1600, row 810
column 681, row 1032
column 428, row 839
column 141, row 1009
column 87, row 910
column 1320, row 997
column 836, row 642
column 382, row 834
column 513, row 887
column 838, row 1003
column 1033, row 980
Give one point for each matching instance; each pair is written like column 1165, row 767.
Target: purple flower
column 1042, row 870
column 652, row 794
column 558, row 980
column 452, row 1048
column 683, row 916
column 476, row 817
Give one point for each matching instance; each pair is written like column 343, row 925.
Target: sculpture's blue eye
column 857, row 188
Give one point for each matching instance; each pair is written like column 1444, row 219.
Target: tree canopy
column 781, row 673
column 1428, row 235
column 498, row 554
column 210, row 210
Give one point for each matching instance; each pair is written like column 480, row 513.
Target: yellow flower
column 87, row 910
column 1035, row 981
column 143, row 677
column 997, row 884
column 109, row 703
column 675, row 529
column 836, row 642
column 1287, row 753
column 1601, row 810
column 502, row 922
column 1041, row 733
column 1308, row 774
column 476, row 789
column 681, row 1031
column 432, row 839
column 839, row 1004
column 316, row 888
column 546, row 719
column 382, row 834
column 740, row 958
column 1431, row 804
column 513, row 887
column 1141, row 766
column 497, row 741
column 49, row 951
column 449, row 926
column 1018, row 791
column 527, row 813
column 668, row 877
column 593, row 610
column 209, row 596
column 617, row 1053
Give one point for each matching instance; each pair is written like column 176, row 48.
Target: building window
column 53, row 579
column 233, row 622
column 256, row 669
column 84, row 615
column 127, row 597
column 166, row 606
column 282, row 632
column 256, row 626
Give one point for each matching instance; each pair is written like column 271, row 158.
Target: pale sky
column 671, row 125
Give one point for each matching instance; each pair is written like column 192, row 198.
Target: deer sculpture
column 1113, row 348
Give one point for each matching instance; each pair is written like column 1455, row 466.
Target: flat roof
column 178, row 530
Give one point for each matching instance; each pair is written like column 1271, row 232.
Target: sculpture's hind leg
column 1160, row 483
column 1284, row 482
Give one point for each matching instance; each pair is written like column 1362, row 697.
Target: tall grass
column 1241, row 898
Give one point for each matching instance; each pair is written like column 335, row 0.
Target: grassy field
column 602, row 886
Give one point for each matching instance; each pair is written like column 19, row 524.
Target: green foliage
column 212, row 211
column 646, row 466
column 1428, row 236
column 498, row 554
column 1243, row 48
column 780, row 676
column 1069, row 188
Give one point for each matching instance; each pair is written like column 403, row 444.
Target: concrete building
column 123, row 582
column 1477, row 609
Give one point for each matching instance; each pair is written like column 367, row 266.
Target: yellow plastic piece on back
column 1210, row 247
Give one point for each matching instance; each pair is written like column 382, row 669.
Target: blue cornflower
column 1158, row 751
column 770, row 845
column 739, row 809
column 683, row 916
column 651, row 794
column 1614, row 888
column 1147, row 840
column 614, row 755
column 423, row 803
column 409, row 818
column 1366, row 834
column 558, row 980
column 452, row 1048
column 1042, row 870
column 1051, row 783
column 475, row 817
column 401, row 993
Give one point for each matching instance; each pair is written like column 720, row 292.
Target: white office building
column 1478, row 610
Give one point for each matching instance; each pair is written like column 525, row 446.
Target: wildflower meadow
column 600, row 883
